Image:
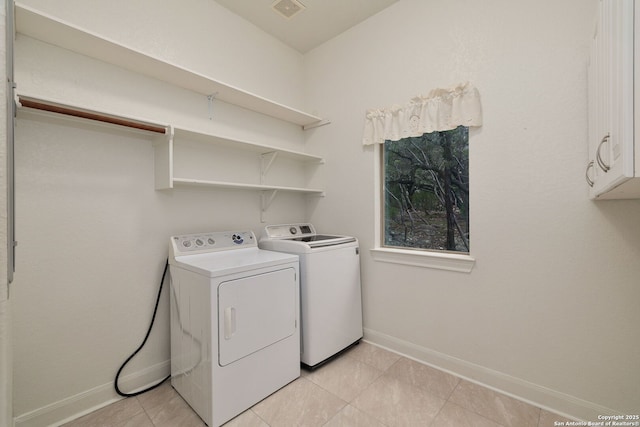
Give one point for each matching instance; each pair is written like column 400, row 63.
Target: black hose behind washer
column 153, row 318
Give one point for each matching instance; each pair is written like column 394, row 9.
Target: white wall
column 550, row 311
column 92, row 230
column 6, row 401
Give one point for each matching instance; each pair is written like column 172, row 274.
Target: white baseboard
column 542, row 397
column 90, row 400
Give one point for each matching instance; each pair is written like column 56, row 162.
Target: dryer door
column 255, row 312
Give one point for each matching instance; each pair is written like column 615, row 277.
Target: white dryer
column 235, row 335
column 330, row 294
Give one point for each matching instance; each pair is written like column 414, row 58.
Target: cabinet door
column 611, row 138
column 597, row 102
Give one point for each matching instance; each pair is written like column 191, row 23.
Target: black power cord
column 153, row 318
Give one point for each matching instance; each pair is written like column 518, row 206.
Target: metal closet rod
column 38, row 105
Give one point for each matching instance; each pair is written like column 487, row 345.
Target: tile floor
column 367, row 386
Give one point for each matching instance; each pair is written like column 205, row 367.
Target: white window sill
column 426, row 259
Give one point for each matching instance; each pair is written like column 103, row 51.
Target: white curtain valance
column 442, row 109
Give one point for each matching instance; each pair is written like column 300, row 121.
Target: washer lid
column 215, row 264
column 323, row 240
column 303, row 234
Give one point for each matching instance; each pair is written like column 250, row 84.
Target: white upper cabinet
column 614, row 151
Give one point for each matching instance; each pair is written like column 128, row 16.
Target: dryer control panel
column 191, row 244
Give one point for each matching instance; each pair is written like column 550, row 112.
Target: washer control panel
column 289, row 230
column 190, row 244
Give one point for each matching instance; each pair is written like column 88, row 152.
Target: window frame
column 426, row 258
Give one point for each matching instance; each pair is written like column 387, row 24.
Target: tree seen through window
column 426, row 191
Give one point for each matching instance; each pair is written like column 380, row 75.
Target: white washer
column 235, row 334
column 330, row 294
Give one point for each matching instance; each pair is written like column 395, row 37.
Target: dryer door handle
column 229, row 322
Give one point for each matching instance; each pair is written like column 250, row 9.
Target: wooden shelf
column 234, row 185
column 52, row 30
column 164, row 144
column 228, row 142
column 165, row 157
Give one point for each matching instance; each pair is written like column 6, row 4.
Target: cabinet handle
column 605, row 167
column 586, row 174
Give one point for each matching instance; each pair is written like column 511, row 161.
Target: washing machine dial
column 199, row 242
column 293, row 230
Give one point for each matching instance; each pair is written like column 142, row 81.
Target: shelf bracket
column 266, row 197
column 210, row 98
column 163, row 160
column 266, row 160
column 316, row 124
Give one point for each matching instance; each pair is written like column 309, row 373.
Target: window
column 425, row 200
column 422, row 180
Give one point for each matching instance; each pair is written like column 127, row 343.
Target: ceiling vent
column 288, row 8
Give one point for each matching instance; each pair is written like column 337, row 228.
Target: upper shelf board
column 52, row 30
column 181, row 133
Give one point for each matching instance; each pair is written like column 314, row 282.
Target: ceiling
column 317, row 22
